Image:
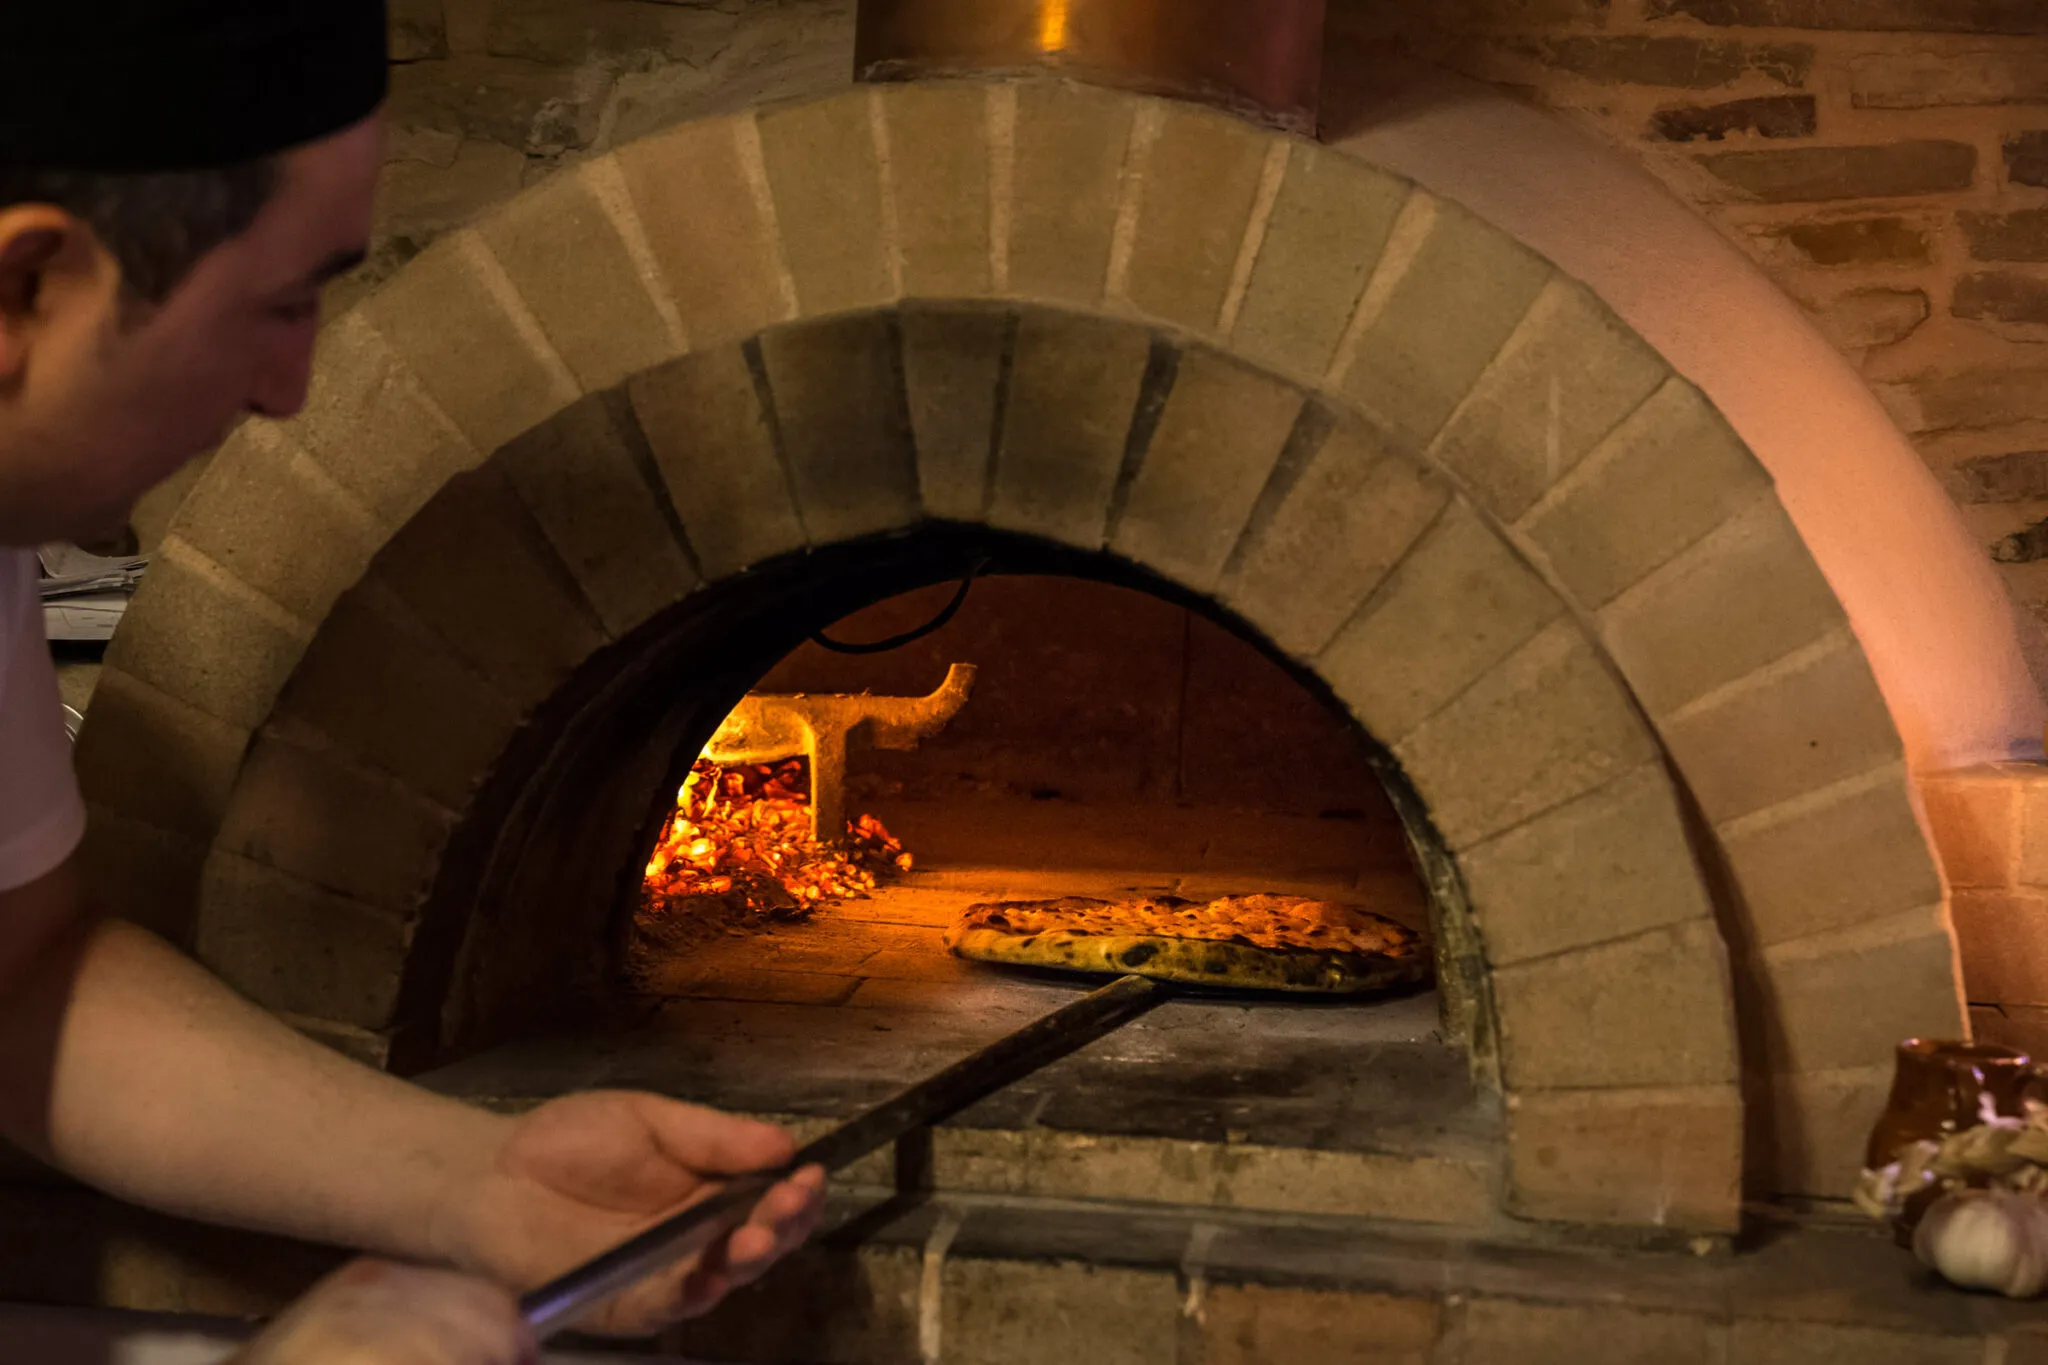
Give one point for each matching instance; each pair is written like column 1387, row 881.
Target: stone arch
column 1328, row 458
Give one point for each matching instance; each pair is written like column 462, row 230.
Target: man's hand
column 377, row 1313
column 578, row 1176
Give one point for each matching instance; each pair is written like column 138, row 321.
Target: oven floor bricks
column 1104, row 235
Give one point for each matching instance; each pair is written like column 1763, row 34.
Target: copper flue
column 1260, row 58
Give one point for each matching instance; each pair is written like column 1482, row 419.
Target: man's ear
column 34, row 240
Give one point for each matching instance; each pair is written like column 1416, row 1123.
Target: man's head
column 164, row 236
column 140, row 315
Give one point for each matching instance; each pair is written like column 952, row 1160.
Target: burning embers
column 740, row 840
column 760, row 830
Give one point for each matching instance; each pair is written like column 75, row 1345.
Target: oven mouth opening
column 1046, row 783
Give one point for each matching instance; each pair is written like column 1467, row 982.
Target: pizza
column 1263, row 942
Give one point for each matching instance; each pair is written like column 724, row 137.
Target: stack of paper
column 83, row 594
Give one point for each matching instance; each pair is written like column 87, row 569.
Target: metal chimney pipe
column 1258, row 58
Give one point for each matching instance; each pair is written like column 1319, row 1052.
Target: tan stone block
column 1261, row 1324
column 1198, row 181
column 1070, row 147
column 1973, row 817
column 157, row 760
column 1461, row 601
column 826, row 177
column 1567, row 378
column 1834, row 1003
column 1214, row 449
column 1643, row 1158
column 708, row 228
column 939, row 169
column 994, row 1313
column 1609, row 865
column 370, row 425
column 566, row 258
column 462, row 330
column 198, row 635
column 1454, row 306
column 1546, row 725
column 142, row 874
column 1074, row 388
column 589, row 482
column 290, row 946
column 1757, row 1341
column 716, row 452
column 1509, row 1332
column 394, row 695
column 864, row 1311
column 1673, row 471
column 2002, row 940
column 343, row 829
column 846, row 440
column 1643, row 1011
column 1416, row 1189
column 1745, row 595
column 1322, row 539
column 1791, row 728
column 476, row 570
column 258, row 509
column 1329, row 225
column 1839, row 857
column 1817, row 1127
column 2033, row 861
column 1057, row 1165
column 952, row 368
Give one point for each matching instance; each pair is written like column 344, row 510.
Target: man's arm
column 126, row 1064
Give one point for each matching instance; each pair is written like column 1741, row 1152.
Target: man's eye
column 298, row 310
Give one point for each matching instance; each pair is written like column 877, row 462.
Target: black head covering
column 173, row 85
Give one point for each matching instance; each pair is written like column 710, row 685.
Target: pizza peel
column 559, row 1303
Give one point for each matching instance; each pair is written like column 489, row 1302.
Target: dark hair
column 156, row 224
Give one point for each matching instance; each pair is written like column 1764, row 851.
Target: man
column 178, row 178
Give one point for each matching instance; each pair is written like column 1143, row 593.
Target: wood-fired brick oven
column 391, row 755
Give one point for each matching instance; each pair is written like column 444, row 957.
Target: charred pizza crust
column 1264, row 942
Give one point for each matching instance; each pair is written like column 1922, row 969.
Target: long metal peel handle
column 559, row 1303
column 556, row 1305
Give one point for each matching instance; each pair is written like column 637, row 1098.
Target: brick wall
column 1886, row 161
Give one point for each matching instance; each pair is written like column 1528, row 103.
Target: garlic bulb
column 1987, row 1239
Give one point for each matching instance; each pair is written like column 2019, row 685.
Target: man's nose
column 280, row 389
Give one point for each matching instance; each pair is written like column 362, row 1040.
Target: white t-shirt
column 42, row 817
